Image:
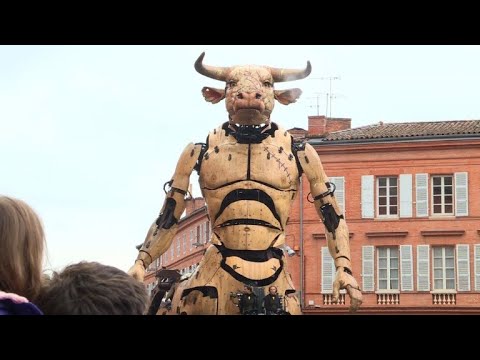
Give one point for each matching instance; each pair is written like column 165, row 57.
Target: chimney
column 298, row 134
column 322, row 126
column 316, row 125
column 192, row 204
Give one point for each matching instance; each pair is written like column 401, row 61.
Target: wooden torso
column 248, row 189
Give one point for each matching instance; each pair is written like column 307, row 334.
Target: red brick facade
column 429, row 261
column 188, row 245
column 452, row 157
column 320, row 125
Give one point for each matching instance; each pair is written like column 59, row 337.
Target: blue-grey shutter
column 339, row 182
column 406, row 267
column 423, row 268
column 327, row 271
column 367, row 197
column 406, row 195
column 421, row 187
column 463, row 268
column 477, row 266
column 368, row 268
column 461, row 194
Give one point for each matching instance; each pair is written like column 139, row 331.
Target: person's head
column 22, row 243
column 90, row 288
column 272, row 290
column 247, row 289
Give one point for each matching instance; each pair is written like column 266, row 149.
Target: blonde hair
column 22, row 243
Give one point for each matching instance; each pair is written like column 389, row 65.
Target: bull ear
column 288, row 96
column 213, row 95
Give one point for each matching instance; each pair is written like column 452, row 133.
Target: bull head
column 249, row 94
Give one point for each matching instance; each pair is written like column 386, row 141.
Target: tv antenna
column 330, row 95
column 317, row 97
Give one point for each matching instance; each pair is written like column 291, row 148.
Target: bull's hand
column 137, row 271
column 344, row 280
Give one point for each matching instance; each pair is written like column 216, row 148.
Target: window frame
column 387, row 196
column 443, row 195
column 444, row 269
column 389, row 269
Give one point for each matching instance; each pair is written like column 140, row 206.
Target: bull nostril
column 239, row 96
column 258, row 96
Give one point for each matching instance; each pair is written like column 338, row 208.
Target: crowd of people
column 85, row 288
column 271, row 303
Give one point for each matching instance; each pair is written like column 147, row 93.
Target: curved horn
column 214, row 72
column 280, row 75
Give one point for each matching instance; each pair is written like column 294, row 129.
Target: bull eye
column 267, row 84
column 232, row 83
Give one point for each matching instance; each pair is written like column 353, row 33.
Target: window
column 184, row 243
column 339, row 182
column 178, row 247
column 443, row 268
column 172, row 251
column 191, row 239
column 208, row 232
column 442, row 194
column 199, row 240
column 387, row 196
column 388, row 268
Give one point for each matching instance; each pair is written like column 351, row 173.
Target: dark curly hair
column 90, row 288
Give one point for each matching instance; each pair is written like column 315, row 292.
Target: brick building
column 411, row 196
column 188, row 245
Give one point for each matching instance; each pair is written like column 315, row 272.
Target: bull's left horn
column 214, row 72
column 280, row 75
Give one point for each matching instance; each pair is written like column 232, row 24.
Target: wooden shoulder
column 216, row 136
column 282, row 136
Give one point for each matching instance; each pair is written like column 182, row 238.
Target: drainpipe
column 302, row 280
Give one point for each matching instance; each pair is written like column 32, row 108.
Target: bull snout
column 249, row 96
column 249, row 100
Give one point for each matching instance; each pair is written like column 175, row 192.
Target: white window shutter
column 368, row 268
column 328, row 272
column 406, row 267
column 423, row 267
column 463, row 268
column 461, row 194
column 334, row 272
column 406, row 195
column 339, row 182
column 421, row 186
column 477, row 266
column 367, row 197
column 208, row 232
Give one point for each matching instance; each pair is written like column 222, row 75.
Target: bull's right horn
column 214, row 72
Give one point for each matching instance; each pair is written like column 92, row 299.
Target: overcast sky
column 89, row 134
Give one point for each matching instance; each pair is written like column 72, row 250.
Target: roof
column 407, row 130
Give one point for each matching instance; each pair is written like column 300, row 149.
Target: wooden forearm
column 160, row 235
column 327, row 207
column 155, row 246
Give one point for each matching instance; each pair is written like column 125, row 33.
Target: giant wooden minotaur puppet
column 249, row 171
